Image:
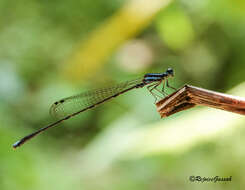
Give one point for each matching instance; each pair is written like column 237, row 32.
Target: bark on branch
column 189, row 96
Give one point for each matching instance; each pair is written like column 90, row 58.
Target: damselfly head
column 170, row 72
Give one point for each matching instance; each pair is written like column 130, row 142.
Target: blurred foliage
column 54, row 49
column 169, row 24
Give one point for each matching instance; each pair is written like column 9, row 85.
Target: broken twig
column 189, row 96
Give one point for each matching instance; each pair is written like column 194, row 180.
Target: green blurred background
column 54, row 49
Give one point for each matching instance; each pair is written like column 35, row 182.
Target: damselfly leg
column 151, row 88
column 167, row 84
column 154, row 87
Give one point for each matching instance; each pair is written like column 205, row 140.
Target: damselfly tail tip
column 15, row 145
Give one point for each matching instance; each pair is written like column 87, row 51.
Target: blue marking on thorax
column 152, row 79
column 154, row 75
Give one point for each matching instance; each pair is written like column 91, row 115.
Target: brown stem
column 189, row 96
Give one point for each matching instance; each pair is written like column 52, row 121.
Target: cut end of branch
column 175, row 102
column 189, row 96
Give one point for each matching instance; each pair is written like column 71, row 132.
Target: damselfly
column 68, row 107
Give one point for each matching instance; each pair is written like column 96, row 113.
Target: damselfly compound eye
column 170, row 71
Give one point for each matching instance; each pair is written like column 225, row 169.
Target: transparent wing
column 73, row 104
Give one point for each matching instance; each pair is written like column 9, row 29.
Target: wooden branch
column 189, row 96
